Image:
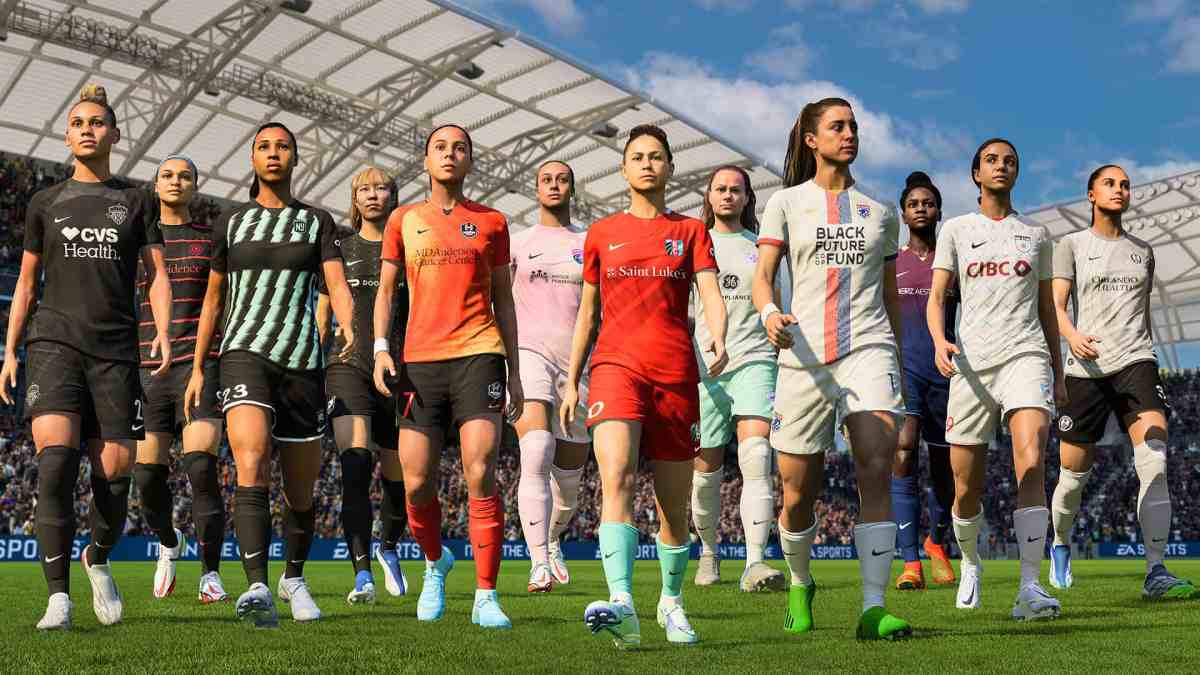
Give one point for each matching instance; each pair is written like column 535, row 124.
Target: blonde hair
column 95, row 93
column 369, row 175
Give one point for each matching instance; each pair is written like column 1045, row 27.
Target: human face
column 920, row 209
column 997, row 170
column 554, row 185
column 90, row 133
column 1110, row 191
column 175, row 184
column 645, row 165
column 836, row 137
column 448, row 159
column 273, row 155
column 372, row 198
column 727, row 195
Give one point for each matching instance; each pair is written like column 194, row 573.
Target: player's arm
column 762, row 291
column 1046, row 314
column 709, row 292
column 935, row 318
column 506, row 319
column 1082, row 346
column 24, row 299
column 381, row 322
column 160, row 303
column 324, row 318
column 587, row 327
column 891, row 305
column 210, row 313
column 340, row 300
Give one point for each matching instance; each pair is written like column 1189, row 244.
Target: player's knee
column 1150, row 461
column 357, row 467
column 58, row 470
column 905, row 462
column 754, row 458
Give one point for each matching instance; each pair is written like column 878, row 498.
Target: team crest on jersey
column 1023, row 242
column 495, row 390
column 117, row 213
column 1137, row 259
column 196, row 249
column 752, row 257
column 949, row 423
column 864, row 210
column 329, row 406
column 673, row 247
column 32, row 394
column 695, row 432
column 577, row 255
column 595, row 409
column 777, row 422
column 469, row 230
column 1065, row 423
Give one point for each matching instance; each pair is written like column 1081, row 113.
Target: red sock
column 425, row 521
column 486, row 524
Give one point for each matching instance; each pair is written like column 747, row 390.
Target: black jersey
column 188, row 251
column 361, row 260
column 89, row 236
column 273, row 258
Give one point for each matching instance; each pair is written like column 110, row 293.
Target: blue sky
column 1073, row 84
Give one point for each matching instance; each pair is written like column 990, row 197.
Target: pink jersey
column 547, row 284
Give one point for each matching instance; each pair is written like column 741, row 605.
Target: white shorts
column 980, row 401
column 808, row 401
column 544, row 381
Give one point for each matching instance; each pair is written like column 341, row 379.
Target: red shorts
column 669, row 413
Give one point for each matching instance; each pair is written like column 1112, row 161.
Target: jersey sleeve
column 704, row 256
column 945, row 257
column 35, row 226
column 1064, row 259
column 328, row 237
column 591, row 257
column 151, row 232
column 220, row 242
column 501, row 255
column 1045, row 259
column 773, row 230
column 393, row 237
column 891, row 234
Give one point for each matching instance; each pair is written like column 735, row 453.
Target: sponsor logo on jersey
column 469, row 230
column 1065, row 423
column 673, row 247
column 577, row 255
column 355, row 283
column 538, row 274
column 185, row 269
column 117, row 213
column 91, row 242
column 1023, row 243
column 864, row 210
column 32, row 394
column 1000, row 268
column 1139, row 259
column 839, row 246
column 729, row 282
column 632, row 271
column 495, row 390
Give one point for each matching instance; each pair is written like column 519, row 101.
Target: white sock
column 758, row 495
column 797, row 551
column 706, row 507
column 533, row 491
column 1029, row 524
column 1067, row 495
column 876, row 544
column 1154, row 499
column 564, row 490
column 966, row 532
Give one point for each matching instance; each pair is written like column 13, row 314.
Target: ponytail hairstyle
column 1095, row 175
column 295, row 150
column 979, row 156
column 748, row 218
column 96, row 94
column 800, row 164
column 920, row 179
column 366, row 176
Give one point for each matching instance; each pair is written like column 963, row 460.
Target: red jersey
column 645, row 268
column 448, row 262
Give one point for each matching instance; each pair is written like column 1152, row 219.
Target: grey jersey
column 1110, row 288
column 745, row 338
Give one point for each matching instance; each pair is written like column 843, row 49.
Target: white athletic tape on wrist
column 770, row 309
column 381, row 345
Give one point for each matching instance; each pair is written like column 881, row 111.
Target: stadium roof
column 1165, row 213
column 359, row 81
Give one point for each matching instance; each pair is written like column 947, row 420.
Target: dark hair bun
column 918, row 179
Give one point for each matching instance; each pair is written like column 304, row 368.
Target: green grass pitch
column 1105, row 627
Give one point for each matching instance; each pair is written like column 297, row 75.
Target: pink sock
column 533, row 493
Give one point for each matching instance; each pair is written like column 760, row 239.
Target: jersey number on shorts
column 231, row 393
column 138, row 420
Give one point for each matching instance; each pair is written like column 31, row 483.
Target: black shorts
column 296, row 398
column 107, row 395
column 439, row 394
column 164, row 396
column 1132, row 389
column 352, row 392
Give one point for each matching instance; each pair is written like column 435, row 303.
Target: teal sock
column 674, row 561
column 618, row 545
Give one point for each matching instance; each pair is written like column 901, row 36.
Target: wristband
column 381, row 345
column 767, row 312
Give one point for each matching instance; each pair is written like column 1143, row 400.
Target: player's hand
column 384, row 366
column 570, row 401
column 721, row 358
column 1084, row 346
column 191, row 395
column 516, row 399
column 348, row 347
column 8, row 378
column 161, row 346
column 944, row 352
column 777, row 329
column 1061, row 399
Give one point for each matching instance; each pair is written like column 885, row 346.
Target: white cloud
column 724, row 5
column 927, row 6
column 1145, row 173
column 942, row 6
column 1155, row 10
column 1183, row 25
column 917, row 49
column 561, row 16
column 787, row 58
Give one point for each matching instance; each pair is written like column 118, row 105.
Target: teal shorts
column 748, row 391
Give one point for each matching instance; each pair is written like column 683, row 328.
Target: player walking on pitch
column 547, row 262
column 738, row 400
column 1005, row 367
column 361, row 416
column 188, row 247
column 462, row 330
column 842, row 357
column 83, row 238
column 926, row 392
column 643, row 401
column 1108, row 275
column 271, row 251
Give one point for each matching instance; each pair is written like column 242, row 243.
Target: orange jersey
column 448, row 262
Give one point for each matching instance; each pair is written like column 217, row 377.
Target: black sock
column 208, row 507
column 393, row 515
column 54, row 517
column 358, row 464
column 109, row 507
column 151, row 480
column 252, row 523
column 298, row 530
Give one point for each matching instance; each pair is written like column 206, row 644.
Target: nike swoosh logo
column 906, row 525
column 1096, row 258
column 352, row 264
column 1157, row 541
column 900, row 274
column 674, row 574
column 423, row 231
column 701, row 529
column 536, row 255
column 296, row 562
column 534, row 523
column 483, row 546
column 50, row 560
column 760, row 522
column 361, row 557
column 137, row 427
column 878, row 553
column 609, row 555
column 59, row 220
column 1030, row 540
column 971, row 597
column 977, row 245
column 248, row 556
column 613, row 247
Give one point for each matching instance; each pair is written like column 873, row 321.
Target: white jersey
column 998, row 265
column 547, row 265
column 1111, row 283
column 836, row 245
column 745, row 338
